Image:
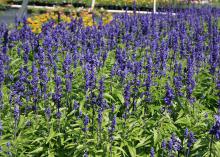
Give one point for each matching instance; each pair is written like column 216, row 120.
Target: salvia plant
column 142, row 85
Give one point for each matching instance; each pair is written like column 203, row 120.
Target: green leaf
column 132, row 151
column 71, row 145
column 217, row 148
column 51, row 135
column 79, row 146
column 15, row 62
column 108, row 96
column 21, row 121
column 143, row 142
column 51, row 154
column 38, row 150
column 197, row 145
column 120, row 149
column 120, row 97
column 183, row 120
column 155, row 137
column 38, row 140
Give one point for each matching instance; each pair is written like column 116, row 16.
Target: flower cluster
column 215, row 130
column 101, row 87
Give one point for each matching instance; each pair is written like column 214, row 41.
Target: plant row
column 142, row 85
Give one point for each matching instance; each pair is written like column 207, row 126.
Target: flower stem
column 210, row 148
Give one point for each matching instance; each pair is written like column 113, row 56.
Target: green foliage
column 145, row 126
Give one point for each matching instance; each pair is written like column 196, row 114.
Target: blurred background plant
column 3, row 1
column 3, row 4
column 36, row 21
column 115, row 4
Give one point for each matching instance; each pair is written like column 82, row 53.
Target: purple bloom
column 100, row 100
column 214, row 54
column 163, row 144
column 47, row 112
column 170, row 145
column 1, row 127
column 190, row 82
column 8, row 144
column 112, row 128
column 199, row 52
column 58, row 114
column 113, row 123
column 75, row 56
column 113, row 108
column 85, row 154
column 169, row 95
column 186, row 133
column 58, row 92
column 90, row 77
column 215, row 130
column 163, row 56
column 191, row 139
column 68, row 81
column 152, row 152
column 67, row 63
column 26, row 49
column 16, row 113
column 148, row 81
column 86, row 122
column 182, row 47
column 9, row 153
column 5, row 37
column 76, row 105
column 176, row 143
column 80, row 114
column 100, row 117
column 43, row 79
column 2, row 75
column 127, row 95
column 177, row 80
column 34, row 83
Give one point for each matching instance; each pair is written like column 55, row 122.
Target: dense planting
column 89, row 19
column 141, row 85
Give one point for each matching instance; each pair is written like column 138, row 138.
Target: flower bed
column 37, row 21
column 142, row 85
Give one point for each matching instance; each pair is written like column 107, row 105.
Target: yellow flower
column 37, row 21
